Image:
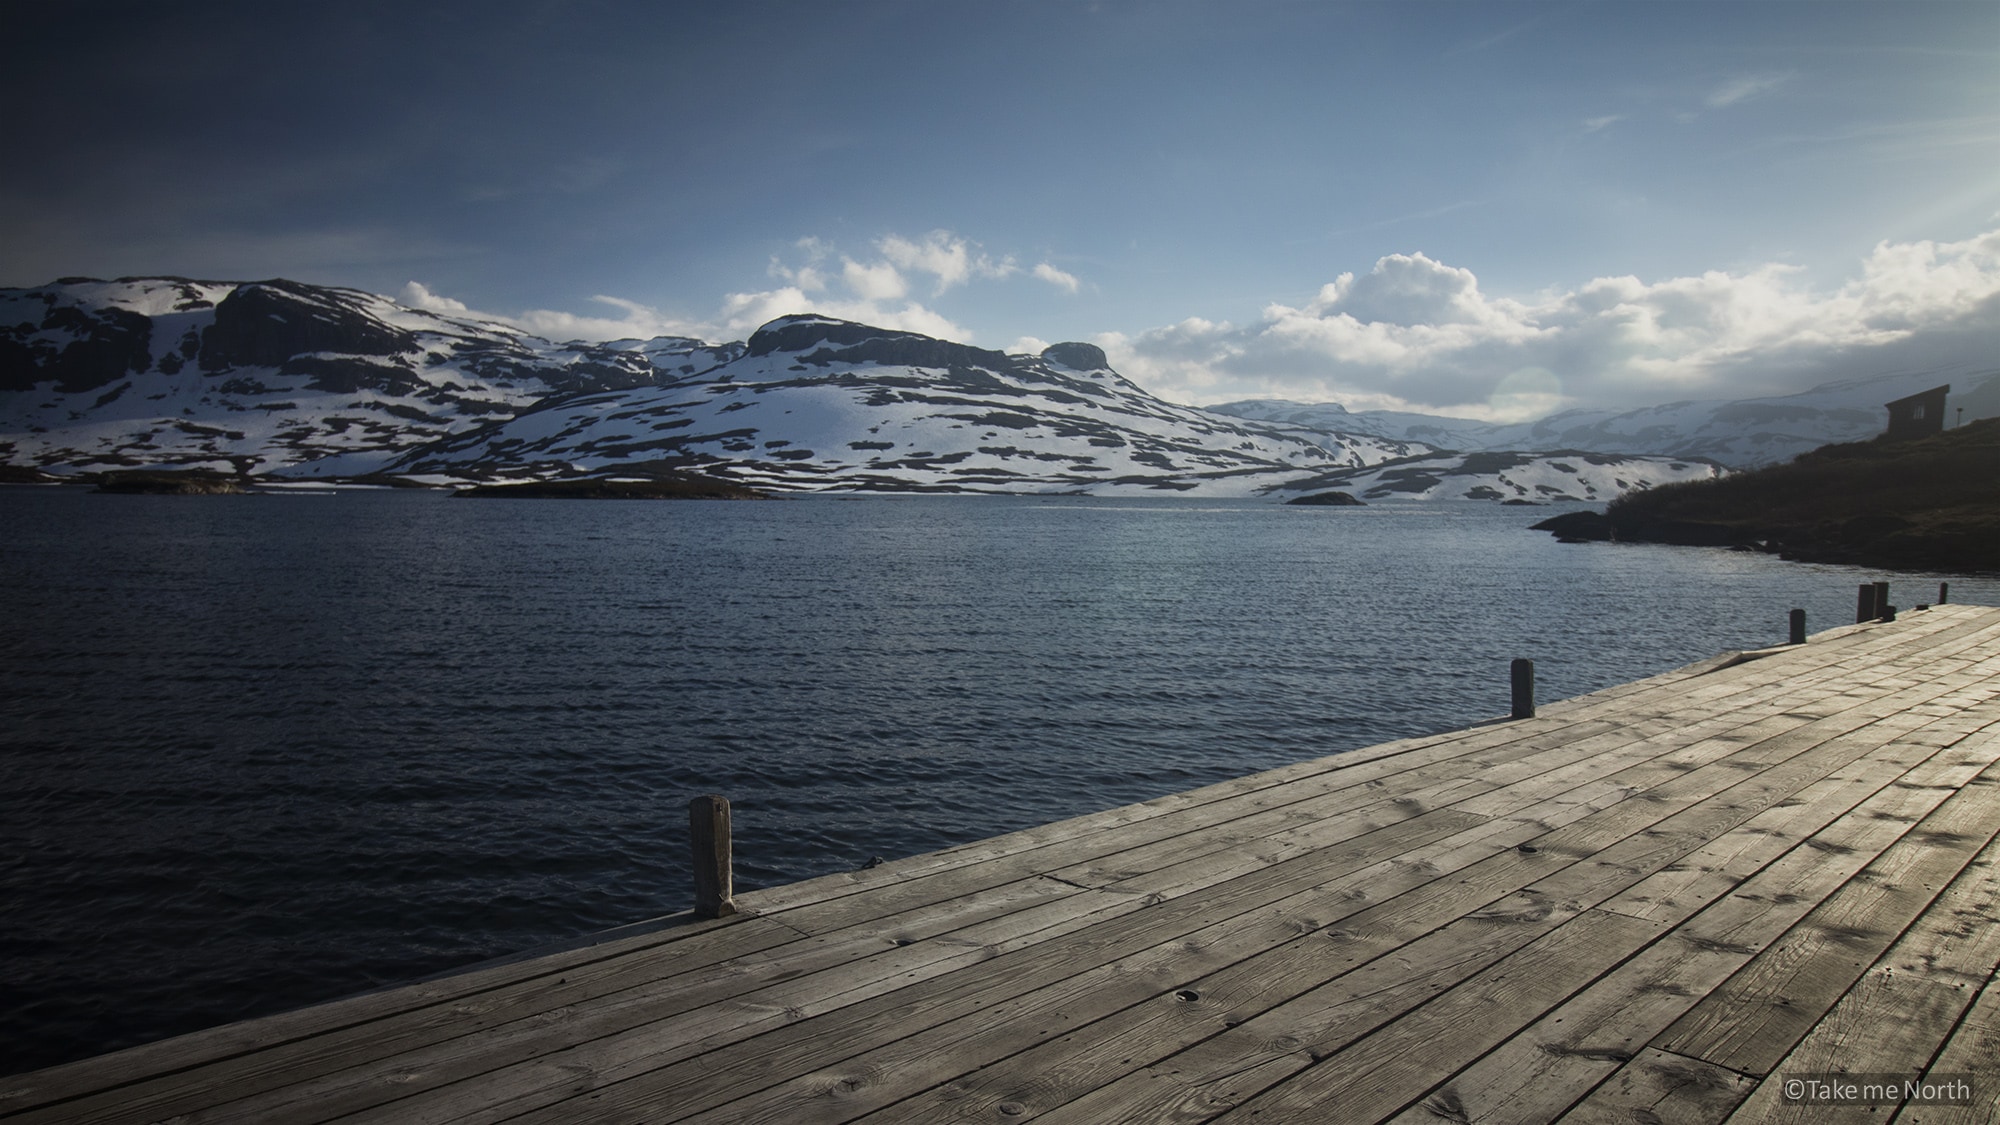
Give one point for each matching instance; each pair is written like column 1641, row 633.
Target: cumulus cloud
column 874, row 291
column 879, row 282
column 1066, row 282
column 1416, row 333
column 417, row 296
column 945, row 256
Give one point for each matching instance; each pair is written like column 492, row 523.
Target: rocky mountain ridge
column 257, row 376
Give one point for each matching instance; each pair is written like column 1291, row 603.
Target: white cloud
column 874, row 292
column 1026, row 345
column 416, row 296
column 638, row 320
column 1066, row 282
column 1744, row 88
column 945, row 256
column 1415, row 333
column 1593, row 124
column 804, row 277
column 743, row 313
column 880, row 282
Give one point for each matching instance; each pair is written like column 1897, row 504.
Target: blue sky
column 1487, row 209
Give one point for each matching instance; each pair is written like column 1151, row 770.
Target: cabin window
column 1917, row 412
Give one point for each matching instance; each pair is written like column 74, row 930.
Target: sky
column 1492, row 210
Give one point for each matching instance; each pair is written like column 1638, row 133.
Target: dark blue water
column 260, row 751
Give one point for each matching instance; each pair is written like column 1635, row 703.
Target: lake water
column 260, row 751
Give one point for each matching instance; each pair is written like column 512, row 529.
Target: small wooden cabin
column 1918, row 415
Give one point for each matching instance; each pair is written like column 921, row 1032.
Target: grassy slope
column 1930, row 504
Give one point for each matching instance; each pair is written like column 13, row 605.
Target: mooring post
column 708, row 829
column 1881, row 600
column 1864, row 603
column 1944, row 588
column 1798, row 626
column 1524, row 688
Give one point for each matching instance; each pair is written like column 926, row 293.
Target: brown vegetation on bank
column 1928, row 504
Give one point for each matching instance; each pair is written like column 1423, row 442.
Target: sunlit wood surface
column 1645, row 904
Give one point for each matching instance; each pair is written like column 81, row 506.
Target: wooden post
column 1944, row 588
column 1881, row 601
column 1524, row 688
column 1864, row 603
column 1798, row 626
column 708, row 828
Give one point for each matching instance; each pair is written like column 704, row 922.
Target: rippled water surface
column 259, row 751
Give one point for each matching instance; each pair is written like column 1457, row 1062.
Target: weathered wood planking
column 1642, row 904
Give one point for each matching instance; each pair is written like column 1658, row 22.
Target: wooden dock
column 1653, row 903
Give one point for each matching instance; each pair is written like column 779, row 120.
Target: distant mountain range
column 1739, row 433
column 278, row 379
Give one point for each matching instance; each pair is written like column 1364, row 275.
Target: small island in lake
column 663, row 486
column 1929, row 503
column 1328, row 500
column 169, row 483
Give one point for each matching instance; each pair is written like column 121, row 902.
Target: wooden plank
column 1900, row 1012
column 1037, row 1073
column 1374, row 1078
column 1750, row 1022
column 1973, row 1046
column 1771, row 1003
column 1028, row 1080
column 1661, row 1088
column 1538, row 1074
column 1348, row 1078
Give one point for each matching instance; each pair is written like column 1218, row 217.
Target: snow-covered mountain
column 1537, row 478
column 254, row 376
column 1739, row 433
column 821, row 404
